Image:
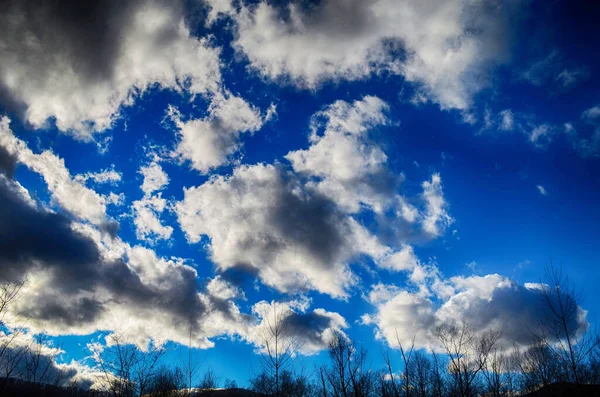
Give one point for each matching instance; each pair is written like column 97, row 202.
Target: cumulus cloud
column 346, row 165
column 70, row 193
column 261, row 218
column 77, row 63
column 211, row 141
column 147, row 210
column 444, row 48
column 484, row 302
column 155, row 178
column 79, row 280
column 146, row 218
column 296, row 228
column 350, row 169
column 306, row 331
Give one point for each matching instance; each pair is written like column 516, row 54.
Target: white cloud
column 211, row 141
column 542, row 190
column 591, row 114
column 551, row 73
column 222, row 289
column 68, row 192
column 262, row 218
column 484, row 302
column 403, row 259
column 346, row 165
column 109, row 176
column 540, row 134
column 80, row 72
column 448, row 47
column 306, row 332
column 154, row 178
column 160, row 302
column 296, row 229
column 586, row 137
column 351, row 169
column 147, row 210
column 507, row 120
column 218, row 8
column 436, row 218
column 146, row 213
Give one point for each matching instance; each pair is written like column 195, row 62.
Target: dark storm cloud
column 518, row 311
column 312, row 221
column 29, row 236
column 8, row 162
column 33, row 240
column 66, row 49
column 309, row 327
column 84, row 34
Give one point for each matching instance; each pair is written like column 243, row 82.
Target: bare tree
column 279, row 343
column 348, row 375
column 128, row 371
column 407, row 355
column 468, row 353
column 437, row 375
column 11, row 327
column 494, row 371
column 193, row 361
column 167, row 382
column 209, row 380
column 38, row 360
column 537, row 366
column 230, row 384
column 390, row 379
column 422, row 374
column 560, row 329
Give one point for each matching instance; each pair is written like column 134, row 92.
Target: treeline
column 463, row 361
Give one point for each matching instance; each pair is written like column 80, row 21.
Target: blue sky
column 364, row 171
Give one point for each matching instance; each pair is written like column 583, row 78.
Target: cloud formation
column 296, row 228
column 209, row 142
column 147, row 210
column 261, row 218
column 306, row 331
column 77, row 63
column 346, row 165
column 484, row 302
column 445, row 49
column 69, row 192
column 80, row 279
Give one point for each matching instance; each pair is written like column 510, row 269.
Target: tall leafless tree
column 422, row 374
column 560, row 329
column 348, row 374
column 192, row 362
column 11, row 327
column 279, row 342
